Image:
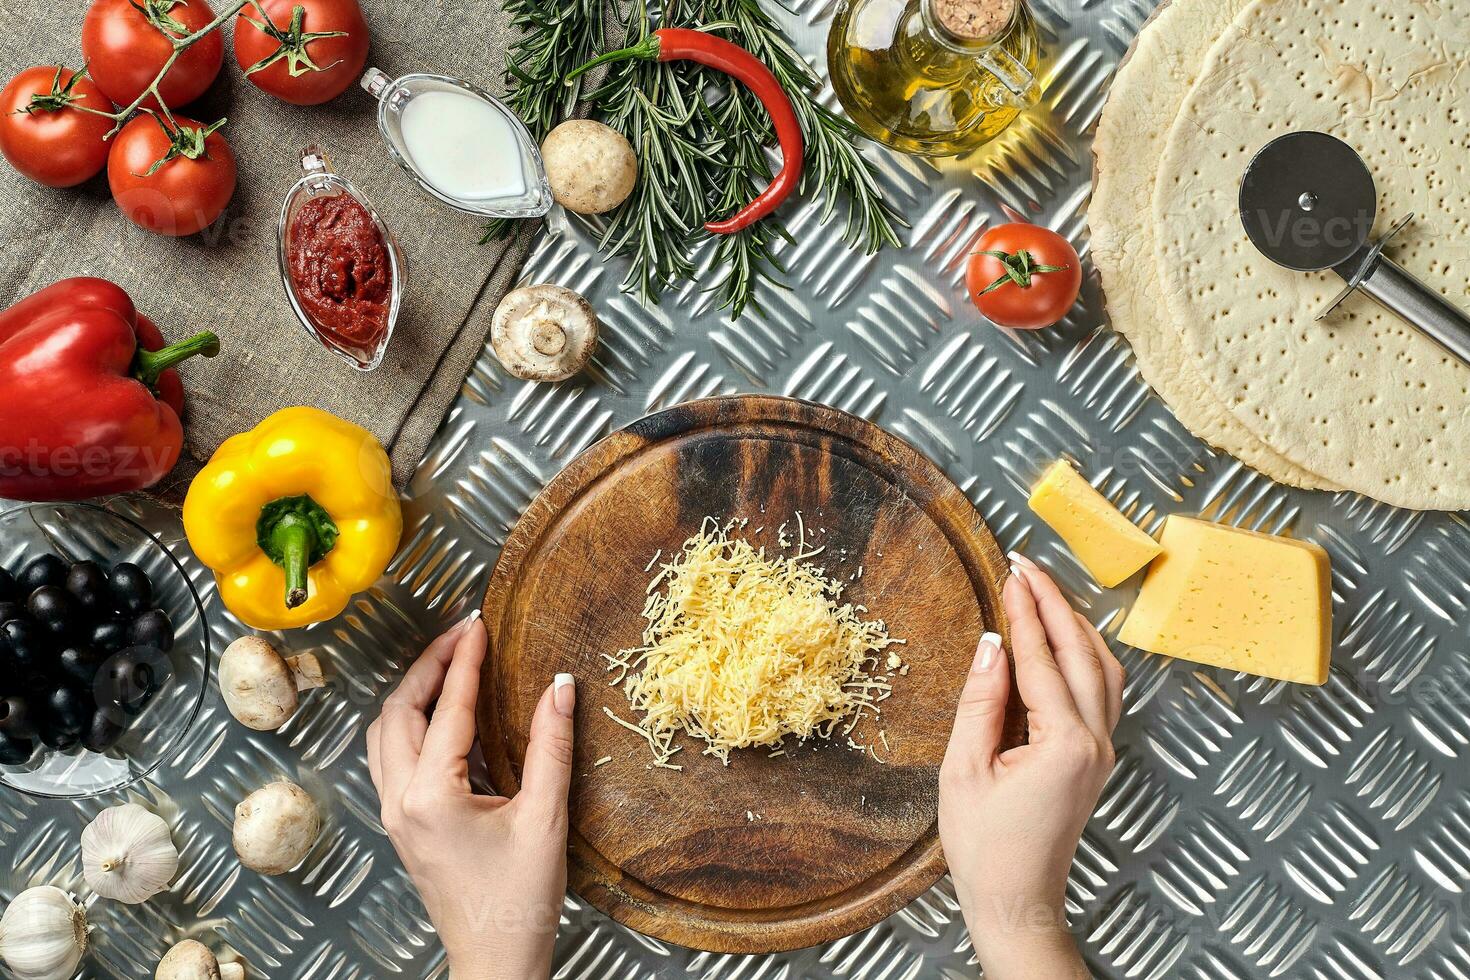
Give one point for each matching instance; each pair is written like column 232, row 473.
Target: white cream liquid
column 463, row 146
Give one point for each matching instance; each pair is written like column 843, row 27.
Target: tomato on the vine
column 172, row 179
column 308, row 52
column 126, row 43
column 44, row 135
column 1023, row 276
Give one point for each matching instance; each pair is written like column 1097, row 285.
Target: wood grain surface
column 764, row 854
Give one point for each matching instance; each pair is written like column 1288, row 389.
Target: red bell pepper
column 89, row 403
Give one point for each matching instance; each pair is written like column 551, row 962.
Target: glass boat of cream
column 463, row 146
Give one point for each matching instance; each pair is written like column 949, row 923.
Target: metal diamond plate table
column 1251, row 829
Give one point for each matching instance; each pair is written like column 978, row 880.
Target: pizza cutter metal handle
column 1401, row 293
column 1395, row 289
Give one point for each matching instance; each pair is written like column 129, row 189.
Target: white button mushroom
column 275, row 827
column 591, row 167
column 544, row 333
column 260, row 686
column 191, row 960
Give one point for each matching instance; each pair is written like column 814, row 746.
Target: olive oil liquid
column 910, row 84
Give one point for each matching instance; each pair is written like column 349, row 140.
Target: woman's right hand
column 1010, row 821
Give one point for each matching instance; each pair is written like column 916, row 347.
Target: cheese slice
column 1236, row 599
column 1109, row 544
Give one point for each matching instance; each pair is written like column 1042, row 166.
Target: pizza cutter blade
column 1308, row 203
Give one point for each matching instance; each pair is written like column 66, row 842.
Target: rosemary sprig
column 650, row 102
column 834, row 168
column 748, row 256
column 701, row 140
column 556, row 37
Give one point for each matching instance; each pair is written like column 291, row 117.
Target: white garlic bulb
column 128, row 854
column 43, row 934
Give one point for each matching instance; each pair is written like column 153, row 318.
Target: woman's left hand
column 491, row 871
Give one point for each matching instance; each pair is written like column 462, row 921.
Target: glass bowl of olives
column 104, row 651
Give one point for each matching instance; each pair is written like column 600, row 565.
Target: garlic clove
column 128, row 854
column 43, row 934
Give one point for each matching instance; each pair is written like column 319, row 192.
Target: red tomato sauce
column 340, row 266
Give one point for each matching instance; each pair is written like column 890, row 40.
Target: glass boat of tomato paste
column 342, row 271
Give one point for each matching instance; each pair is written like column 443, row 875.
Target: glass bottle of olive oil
column 934, row 77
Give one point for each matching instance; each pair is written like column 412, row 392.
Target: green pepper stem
column 295, row 539
column 295, row 533
column 152, row 363
column 644, row 50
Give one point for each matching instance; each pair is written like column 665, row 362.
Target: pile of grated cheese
column 743, row 649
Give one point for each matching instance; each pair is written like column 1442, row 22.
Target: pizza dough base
column 1143, row 102
column 1361, row 398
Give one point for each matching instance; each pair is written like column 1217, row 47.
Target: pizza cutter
column 1308, row 203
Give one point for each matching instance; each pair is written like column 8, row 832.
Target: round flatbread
column 1361, row 399
column 1143, row 102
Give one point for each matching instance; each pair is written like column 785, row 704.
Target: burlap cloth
column 225, row 279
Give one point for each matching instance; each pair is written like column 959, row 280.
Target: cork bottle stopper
column 974, row 20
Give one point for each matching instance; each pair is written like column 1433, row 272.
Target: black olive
column 26, row 642
column 51, row 604
column 15, row 717
column 102, row 731
column 14, row 751
column 87, row 583
column 44, row 570
column 152, row 629
column 79, row 665
column 11, row 610
column 67, row 710
column 131, row 590
column 127, row 682
column 58, row 740
column 110, row 635
column 34, row 683
column 8, row 589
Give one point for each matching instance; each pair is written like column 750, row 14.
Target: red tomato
column 48, row 140
column 1046, row 264
column 125, row 49
column 187, row 192
column 285, row 52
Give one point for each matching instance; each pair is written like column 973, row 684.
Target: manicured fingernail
column 464, row 624
column 985, row 654
column 564, row 694
column 1019, row 559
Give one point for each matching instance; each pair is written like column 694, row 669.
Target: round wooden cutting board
column 766, row 853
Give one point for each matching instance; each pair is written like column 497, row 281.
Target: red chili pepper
column 89, row 403
column 681, row 44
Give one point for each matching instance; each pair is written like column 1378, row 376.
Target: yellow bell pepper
column 294, row 517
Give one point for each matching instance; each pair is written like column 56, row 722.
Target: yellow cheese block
column 1109, row 544
column 1236, row 599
